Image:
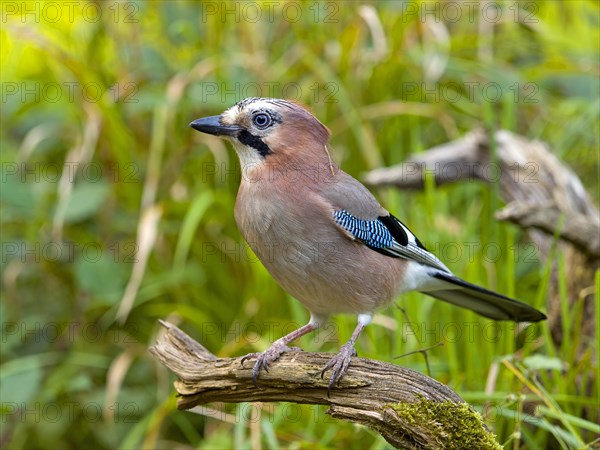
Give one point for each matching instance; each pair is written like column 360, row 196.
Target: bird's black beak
column 212, row 125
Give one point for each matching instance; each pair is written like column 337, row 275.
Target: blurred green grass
column 95, row 139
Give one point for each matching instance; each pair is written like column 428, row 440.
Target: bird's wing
column 360, row 217
column 387, row 235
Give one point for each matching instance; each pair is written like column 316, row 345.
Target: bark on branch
column 409, row 409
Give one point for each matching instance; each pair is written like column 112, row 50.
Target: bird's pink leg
column 277, row 348
column 340, row 362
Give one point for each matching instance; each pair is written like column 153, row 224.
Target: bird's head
column 269, row 131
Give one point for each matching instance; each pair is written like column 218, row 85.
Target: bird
column 323, row 236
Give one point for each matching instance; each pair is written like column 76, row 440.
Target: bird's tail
column 483, row 302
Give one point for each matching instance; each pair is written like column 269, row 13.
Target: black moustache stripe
column 255, row 142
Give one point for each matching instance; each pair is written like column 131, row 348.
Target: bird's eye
column 261, row 121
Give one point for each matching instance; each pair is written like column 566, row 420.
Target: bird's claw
column 267, row 357
column 339, row 365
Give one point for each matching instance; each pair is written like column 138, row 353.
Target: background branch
column 537, row 184
column 542, row 196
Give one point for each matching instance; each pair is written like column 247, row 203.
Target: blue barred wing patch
column 388, row 236
column 372, row 233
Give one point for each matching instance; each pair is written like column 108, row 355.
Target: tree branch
column 409, row 409
column 539, row 185
column 542, row 195
column 580, row 230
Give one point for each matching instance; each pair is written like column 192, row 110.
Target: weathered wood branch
column 528, row 174
column 580, row 230
column 409, row 409
column 543, row 196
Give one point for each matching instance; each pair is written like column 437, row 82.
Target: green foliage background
column 108, row 194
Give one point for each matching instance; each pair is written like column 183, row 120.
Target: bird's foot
column 339, row 364
column 267, row 357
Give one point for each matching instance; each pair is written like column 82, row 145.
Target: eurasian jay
column 323, row 236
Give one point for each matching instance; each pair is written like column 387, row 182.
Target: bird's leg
column 340, row 362
column 278, row 347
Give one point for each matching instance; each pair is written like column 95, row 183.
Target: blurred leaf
column 21, row 387
column 87, row 198
column 190, row 223
column 575, row 421
column 18, row 201
column 543, row 362
column 99, row 275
